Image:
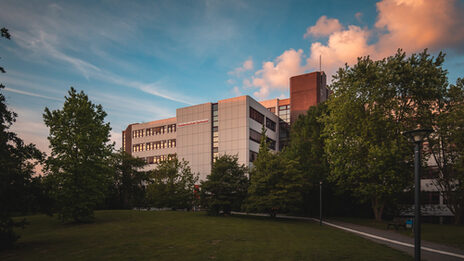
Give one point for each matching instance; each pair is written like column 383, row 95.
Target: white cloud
column 236, row 91
column 324, row 27
column 246, row 66
column 32, row 94
column 116, row 137
column 30, row 127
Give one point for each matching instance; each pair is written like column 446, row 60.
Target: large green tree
column 226, row 187
column 372, row 104
column 128, row 181
column 80, row 153
column 17, row 162
column 307, row 148
column 275, row 182
column 447, row 147
column 172, row 185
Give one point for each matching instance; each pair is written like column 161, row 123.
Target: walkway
column 430, row 251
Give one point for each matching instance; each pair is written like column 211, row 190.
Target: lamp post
column 320, row 203
column 417, row 136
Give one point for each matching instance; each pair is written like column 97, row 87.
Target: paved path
column 430, row 251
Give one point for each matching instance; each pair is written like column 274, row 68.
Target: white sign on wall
column 192, row 123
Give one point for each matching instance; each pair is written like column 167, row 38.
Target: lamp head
column 418, row 135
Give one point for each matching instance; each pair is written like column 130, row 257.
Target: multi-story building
column 232, row 126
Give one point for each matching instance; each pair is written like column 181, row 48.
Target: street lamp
column 417, row 136
column 320, row 203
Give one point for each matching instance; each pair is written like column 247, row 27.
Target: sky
column 143, row 59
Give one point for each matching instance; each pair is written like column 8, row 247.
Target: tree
column 79, row 160
column 17, row 162
column 275, row 182
column 447, row 147
column 172, row 185
column 307, row 148
column 372, row 104
column 226, row 187
column 128, row 182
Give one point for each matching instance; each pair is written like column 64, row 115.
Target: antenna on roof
column 320, row 63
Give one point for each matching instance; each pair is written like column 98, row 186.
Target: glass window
column 255, row 136
column 270, row 124
column 257, row 116
column 271, row 143
column 253, row 156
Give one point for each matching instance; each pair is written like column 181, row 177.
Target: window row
column 162, row 144
column 256, row 137
column 159, row 159
column 257, row 116
column 284, row 113
column 270, row 124
column 215, row 136
column 154, row 131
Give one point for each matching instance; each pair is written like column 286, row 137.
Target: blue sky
column 142, row 60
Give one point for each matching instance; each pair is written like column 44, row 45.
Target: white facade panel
column 194, row 129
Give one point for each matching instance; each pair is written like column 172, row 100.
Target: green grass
column 451, row 235
column 134, row 235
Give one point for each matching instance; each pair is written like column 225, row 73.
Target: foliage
column 307, row 148
column 226, row 187
column 447, row 147
column 275, row 182
column 127, row 188
column 17, row 162
column 79, row 160
column 172, row 185
column 373, row 103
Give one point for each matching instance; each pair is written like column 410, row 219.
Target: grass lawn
column 134, row 235
column 451, row 235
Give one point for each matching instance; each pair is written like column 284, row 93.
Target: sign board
column 192, row 123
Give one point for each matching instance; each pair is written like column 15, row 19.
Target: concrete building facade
column 232, row 126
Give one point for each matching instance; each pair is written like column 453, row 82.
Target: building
column 232, row 126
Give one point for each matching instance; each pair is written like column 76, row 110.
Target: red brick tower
column 306, row 90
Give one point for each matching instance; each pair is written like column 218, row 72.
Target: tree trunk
column 377, row 208
column 457, row 216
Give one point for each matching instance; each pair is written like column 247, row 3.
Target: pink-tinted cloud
column 412, row 25
column 342, row 47
column 417, row 24
column 324, row 27
column 275, row 75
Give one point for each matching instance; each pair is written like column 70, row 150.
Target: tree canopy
column 447, row 147
column 128, row 181
column 172, row 185
column 306, row 146
column 80, row 153
column 275, row 182
column 226, row 187
column 372, row 104
column 17, row 162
